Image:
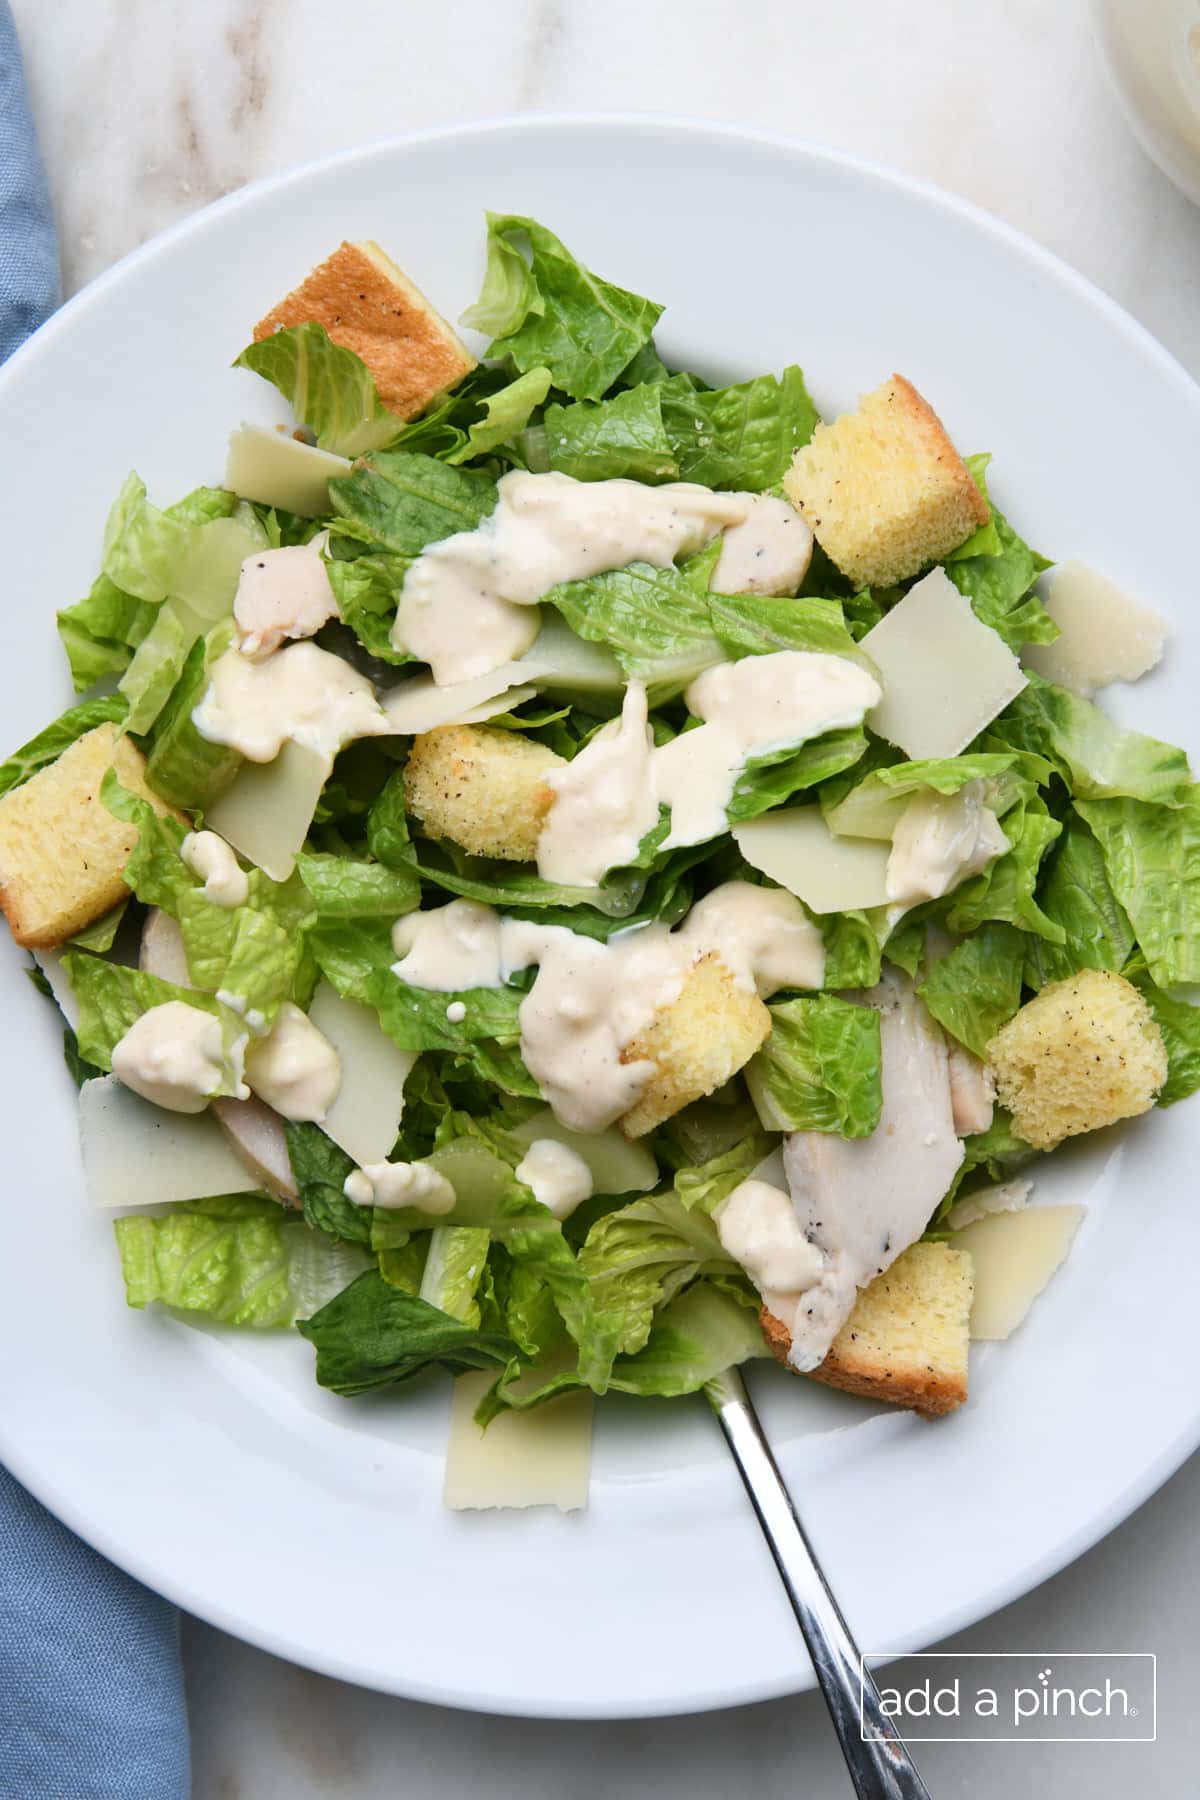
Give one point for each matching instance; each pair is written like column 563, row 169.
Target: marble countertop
column 148, row 111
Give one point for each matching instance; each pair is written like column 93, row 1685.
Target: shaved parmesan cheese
column 557, row 658
column 365, row 1117
column 537, row 1458
column 616, row 1165
column 50, row 963
column 502, row 703
column 267, row 810
column 419, row 704
column 162, row 952
column 796, row 848
column 276, row 469
column 1014, row 1255
column 945, row 675
column 1107, row 635
column 135, row 1154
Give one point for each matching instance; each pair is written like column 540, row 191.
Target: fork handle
column 877, row 1757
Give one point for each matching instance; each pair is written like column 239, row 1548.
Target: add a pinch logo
column 1014, row 1697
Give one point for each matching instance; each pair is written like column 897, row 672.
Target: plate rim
column 1036, row 1570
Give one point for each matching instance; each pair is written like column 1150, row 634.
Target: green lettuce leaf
column 550, row 312
column 50, row 743
column 240, row 1260
column 373, row 1334
column 367, row 590
column 985, row 540
column 767, row 781
column 453, row 1270
column 1006, row 890
column 641, row 1256
column 1180, row 1027
column 1000, row 587
column 1152, row 855
column 623, row 437
column 320, row 1167
column 656, row 621
column 506, row 413
column 760, row 624
column 976, row 988
column 329, row 388
column 349, row 952
column 342, row 887
column 853, row 950
column 738, row 437
column 1076, row 893
column 701, row 1333
column 1097, row 759
column 100, row 631
column 398, row 501
column 873, row 807
column 703, row 1186
column 820, row 1068
column 182, row 766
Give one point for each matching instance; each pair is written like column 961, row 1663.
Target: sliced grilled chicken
column 862, row 1201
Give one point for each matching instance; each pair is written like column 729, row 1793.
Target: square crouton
column 482, row 787
column 906, row 1340
column 62, row 854
column 883, row 489
column 1083, row 1054
column 368, row 305
column 696, row 1043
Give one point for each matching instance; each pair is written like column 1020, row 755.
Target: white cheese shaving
column 1014, row 1255
column 1107, row 635
column 135, row 1154
column 365, row 1117
column 795, row 847
column 536, row 1458
column 267, row 810
column 945, row 675
column 275, row 469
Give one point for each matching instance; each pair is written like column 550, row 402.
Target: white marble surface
column 149, row 109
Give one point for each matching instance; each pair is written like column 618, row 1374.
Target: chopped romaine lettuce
column 329, row 388
column 550, row 312
column 820, row 1068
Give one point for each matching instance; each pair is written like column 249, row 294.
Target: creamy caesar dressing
column 557, row 1176
column 282, row 594
column 449, row 948
column 301, row 692
column 767, row 553
column 213, row 862
column 395, row 1184
column 763, row 936
column 468, row 601
column 749, row 708
column 758, row 1226
column 604, row 800
column 941, row 840
column 294, row 1068
column 175, row 1056
column 590, row 1000
column 862, row 1201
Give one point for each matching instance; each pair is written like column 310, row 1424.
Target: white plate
column 207, row 1462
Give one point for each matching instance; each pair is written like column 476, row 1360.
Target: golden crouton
column 906, row 1340
column 62, row 853
column 697, row 1042
column 482, row 787
column 1083, row 1054
column 883, row 489
column 370, row 306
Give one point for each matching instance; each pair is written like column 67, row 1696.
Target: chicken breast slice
column 863, row 1201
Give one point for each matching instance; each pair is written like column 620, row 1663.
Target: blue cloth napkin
column 91, row 1689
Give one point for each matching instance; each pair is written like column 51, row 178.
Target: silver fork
column 877, row 1757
